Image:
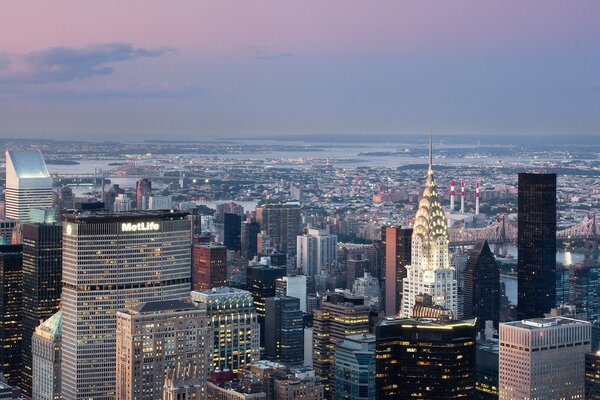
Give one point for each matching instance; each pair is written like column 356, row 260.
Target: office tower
column 45, row 350
column 223, row 386
column 42, row 285
column 122, row 203
column 355, row 269
column 486, row 370
column 210, row 266
column 261, row 281
column 430, row 271
column 143, row 192
column 249, row 233
column 293, row 286
column 584, row 289
column 340, row 315
column 367, row 286
column 229, row 208
column 481, row 289
column 28, row 184
column 536, row 245
column 543, row 358
column 156, row 336
column 316, row 252
column 592, row 376
column 355, row 368
column 300, row 383
column 282, row 222
column 42, row 215
column 233, row 329
column 109, row 197
column 7, row 227
column 284, row 330
column 183, row 383
column 114, row 261
column 396, row 243
column 66, row 198
column 11, row 306
column 160, row 203
column 266, row 372
column 232, row 231
column 425, row 359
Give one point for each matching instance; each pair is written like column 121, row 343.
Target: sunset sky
column 199, row 69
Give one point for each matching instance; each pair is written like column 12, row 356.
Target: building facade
column 11, row 308
column 592, row 376
column 316, row 252
column 113, row 262
column 355, row 368
column 543, row 358
column 45, row 350
column 232, row 231
column 284, row 330
column 298, row 384
column 396, row 244
column 282, row 223
column 210, row 266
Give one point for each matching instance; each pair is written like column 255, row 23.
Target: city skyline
column 214, row 69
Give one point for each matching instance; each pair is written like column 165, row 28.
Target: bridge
column 504, row 232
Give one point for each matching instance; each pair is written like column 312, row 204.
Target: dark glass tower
column 42, row 276
column 396, row 242
column 481, row 296
column 232, row 231
column 11, row 305
column 536, row 245
column 250, row 230
column 284, row 331
column 425, row 359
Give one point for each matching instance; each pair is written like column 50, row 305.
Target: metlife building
column 114, row 261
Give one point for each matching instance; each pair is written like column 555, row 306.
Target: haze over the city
column 192, row 70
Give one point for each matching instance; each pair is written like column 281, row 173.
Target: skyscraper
column 592, row 376
column 42, row 285
column 114, row 261
column 28, row 184
column 284, row 330
column 282, row 222
column 536, row 245
column 233, row 330
column 153, row 338
column 340, row 315
column 249, row 238
column 316, row 252
column 430, row 271
column 425, row 359
column 481, row 296
column 46, row 351
column 543, row 358
column 396, row 243
column 11, row 306
column 210, row 266
column 232, row 231
column 355, row 368
column 143, row 192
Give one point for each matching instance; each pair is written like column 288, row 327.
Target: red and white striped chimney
column 477, row 198
column 462, row 197
column 452, row 195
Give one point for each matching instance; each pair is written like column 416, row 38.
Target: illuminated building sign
column 139, row 226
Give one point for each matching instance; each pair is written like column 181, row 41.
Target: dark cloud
column 63, row 64
column 259, row 52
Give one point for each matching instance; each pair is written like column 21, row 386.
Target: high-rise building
column 584, row 288
column 316, row 252
column 160, row 202
column 355, row 368
column 355, row 269
column 293, row 286
column 233, row 329
column 7, row 228
column 543, row 358
column 430, row 271
column 486, row 370
column 284, row 330
column 249, row 233
column 300, row 383
column 28, row 184
column 396, row 243
column 481, row 289
column 114, row 261
column 536, row 245
column 42, row 285
column 367, row 286
column 11, row 306
column 340, row 315
column 183, row 383
column 143, row 192
column 425, row 359
column 261, row 281
column 45, row 350
column 282, row 223
column 210, row 266
column 592, row 376
column 156, row 336
column 232, row 231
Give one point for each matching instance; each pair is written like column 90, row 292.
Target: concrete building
column 298, row 384
column 316, row 252
column 28, row 184
column 355, row 368
column 46, row 359
column 160, row 203
column 223, row 387
column 154, row 337
column 294, row 286
column 233, row 329
column 111, row 262
column 282, row 223
column 396, row 244
column 183, row 383
column 430, row 271
column 367, row 286
column 209, row 266
column 543, row 358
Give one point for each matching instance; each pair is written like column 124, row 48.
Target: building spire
column 430, row 171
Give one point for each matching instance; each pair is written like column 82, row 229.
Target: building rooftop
column 102, row 216
column 161, row 306
column 27, row 163
column 427, row 323
column 541, row 323
column 52, row 325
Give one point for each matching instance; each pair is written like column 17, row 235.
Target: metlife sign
column 140, row 227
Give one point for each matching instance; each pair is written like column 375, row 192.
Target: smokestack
column 477, row 198
column 452, row 195
column 462, row 197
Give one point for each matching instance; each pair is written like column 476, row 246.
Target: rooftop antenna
column 430, row 154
